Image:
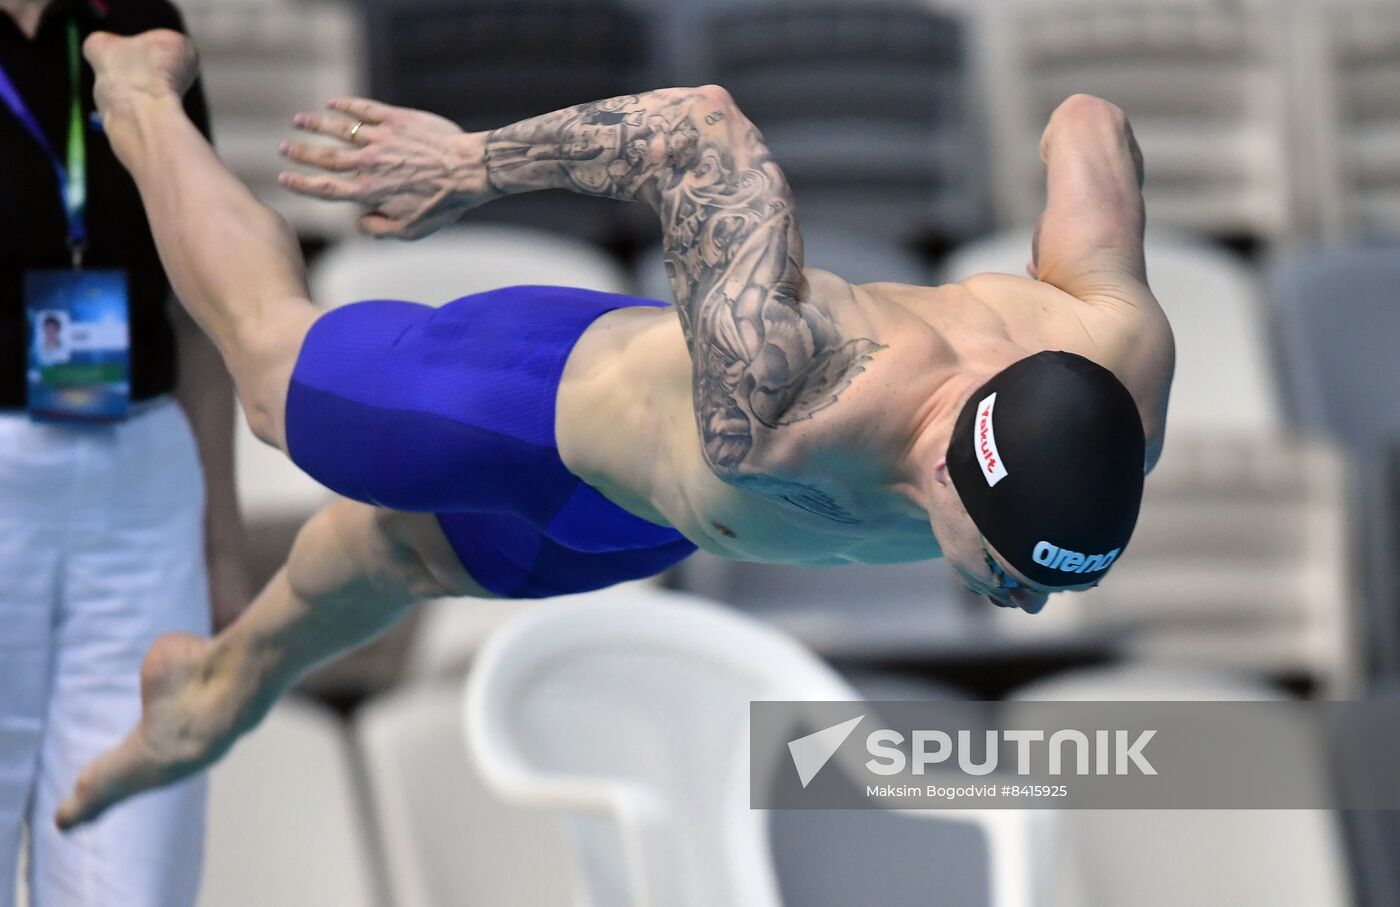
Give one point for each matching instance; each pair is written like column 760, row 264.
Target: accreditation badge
column 79, row 367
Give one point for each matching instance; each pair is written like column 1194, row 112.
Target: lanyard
column 72, row 178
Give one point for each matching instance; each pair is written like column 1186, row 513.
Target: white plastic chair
column 1224, row 381
column 1164, row 858
column 446, row 839
column 1205, row 84
column 630, row 719
column 458, row 262
column 1241, row 559
column 286, row 823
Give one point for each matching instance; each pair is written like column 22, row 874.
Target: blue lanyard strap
column 72, row 176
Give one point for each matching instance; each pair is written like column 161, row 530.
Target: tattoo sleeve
column 762, row 357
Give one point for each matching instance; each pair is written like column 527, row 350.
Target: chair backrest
column 1204, row 83
column 1168, row 857
column 1242, row 558
column 446, row 839
column 1224, row 380
column 1336, row 315
column 637, row 712
column 1335, row 311
column 630, row 718
column 286, row 822
column 865, row 105
column 486, row 65
column 459, row 262
column 262, row 61
column 1348, row 172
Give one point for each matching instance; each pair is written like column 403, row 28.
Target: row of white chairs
column 600, row 757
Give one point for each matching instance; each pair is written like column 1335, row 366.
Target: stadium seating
column 865, row 105
column 1336, row 317
column 1348, row 121
column 1168, row 857
column 485, row 65
column 263, row 61
column 1205, row 84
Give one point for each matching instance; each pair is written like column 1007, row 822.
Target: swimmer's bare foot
column 189, row 717
column 155, row 66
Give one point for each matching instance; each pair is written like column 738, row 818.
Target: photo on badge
column 79, row 352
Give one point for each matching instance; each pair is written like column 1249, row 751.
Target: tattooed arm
column 764, row 357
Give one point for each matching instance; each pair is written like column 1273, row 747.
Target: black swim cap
column 1048, row 459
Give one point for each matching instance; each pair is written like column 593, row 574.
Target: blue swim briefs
column 450, row 411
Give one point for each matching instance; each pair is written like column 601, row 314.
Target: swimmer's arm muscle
column 765, row 354
column 1089, row 239
column 1089, row 243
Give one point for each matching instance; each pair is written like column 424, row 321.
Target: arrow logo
column 811, row 753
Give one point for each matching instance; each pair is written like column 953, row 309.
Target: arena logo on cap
column 984, row 441
column 1067, row 561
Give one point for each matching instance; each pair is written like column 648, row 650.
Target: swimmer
column 534, row 441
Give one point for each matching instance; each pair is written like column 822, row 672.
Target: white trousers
column 101, row 551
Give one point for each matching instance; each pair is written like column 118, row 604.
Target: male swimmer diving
column 535, row 440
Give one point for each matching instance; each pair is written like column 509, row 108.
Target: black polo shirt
column 33, row 229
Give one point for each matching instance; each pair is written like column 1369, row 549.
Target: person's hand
column 413, row 171
column 188, row 720
column 157, row 64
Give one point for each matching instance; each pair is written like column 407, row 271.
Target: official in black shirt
column 105, row 538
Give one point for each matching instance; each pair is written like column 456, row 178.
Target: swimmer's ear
column 940, row 472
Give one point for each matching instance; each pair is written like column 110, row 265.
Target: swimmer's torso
column 626, row 420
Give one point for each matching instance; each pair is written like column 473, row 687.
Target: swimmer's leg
column 354, row 571
column 233, row 262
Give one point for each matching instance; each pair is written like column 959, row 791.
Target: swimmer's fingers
column 362, row 109
column 347, row 129
column 337, row 189
column 382, row 226
column 337, row 160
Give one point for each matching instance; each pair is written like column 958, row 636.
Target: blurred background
column 1264, row 566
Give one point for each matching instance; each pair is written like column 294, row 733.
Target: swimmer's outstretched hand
column 188, row 720
column 413, row 171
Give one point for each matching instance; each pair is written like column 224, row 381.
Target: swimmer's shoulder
column 1124, row 330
